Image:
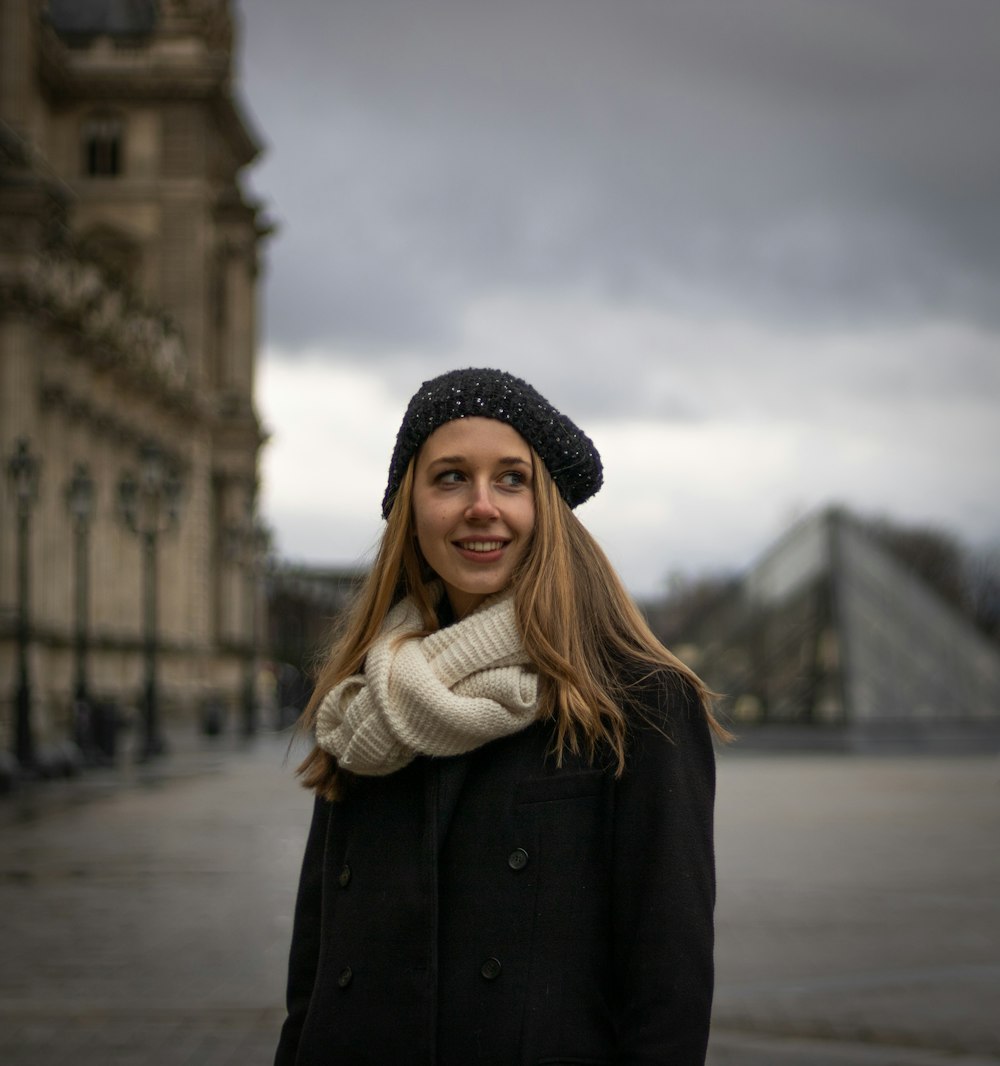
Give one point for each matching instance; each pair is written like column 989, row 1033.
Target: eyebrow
column 507, row 460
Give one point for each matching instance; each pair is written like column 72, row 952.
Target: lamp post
column 259, row 541
column 80, row 502
column 23, row 470
column 150, row 506
column 248, row 543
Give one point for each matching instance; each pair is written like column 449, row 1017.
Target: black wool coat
column 494, row 909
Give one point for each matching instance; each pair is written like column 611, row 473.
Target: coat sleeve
column 664, row 880
column 304, row 953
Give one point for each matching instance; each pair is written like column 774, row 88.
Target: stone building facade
column 129, row 258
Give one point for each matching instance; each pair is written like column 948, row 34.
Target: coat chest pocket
column 559, row 786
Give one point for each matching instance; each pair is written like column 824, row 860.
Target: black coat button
column 517, row 859
column 346, row 976
column 344, row 878
column 490, row 969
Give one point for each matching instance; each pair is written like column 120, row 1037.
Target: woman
column 510, row 859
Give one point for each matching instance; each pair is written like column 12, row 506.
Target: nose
column 481, row 505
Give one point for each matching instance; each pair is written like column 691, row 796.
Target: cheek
column 429, row 526
column 420, row 534
column 526, row 520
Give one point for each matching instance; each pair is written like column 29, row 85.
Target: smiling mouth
column 482, row 546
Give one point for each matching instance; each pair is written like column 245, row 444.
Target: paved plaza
column 146, row 913
column 859, row 910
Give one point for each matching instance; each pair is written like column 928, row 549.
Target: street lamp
column 259, row 542
column 23, row 469
column 149, row 506
column 248, row 544
column 80, row 503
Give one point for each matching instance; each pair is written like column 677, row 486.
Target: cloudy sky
column 751, row 246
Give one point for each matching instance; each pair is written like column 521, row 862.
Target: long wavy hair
column 580, row 629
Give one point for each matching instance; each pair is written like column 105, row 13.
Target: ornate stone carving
column 146, row 344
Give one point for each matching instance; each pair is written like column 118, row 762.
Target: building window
column 102, row 146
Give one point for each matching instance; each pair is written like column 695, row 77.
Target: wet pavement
column 859, row 911
column 146, row 920
column 146, row 912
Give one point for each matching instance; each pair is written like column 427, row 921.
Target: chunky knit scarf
column 443, row 694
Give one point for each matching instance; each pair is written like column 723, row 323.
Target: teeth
column 482, row 545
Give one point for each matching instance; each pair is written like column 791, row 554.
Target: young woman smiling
column 473, row 507
column 510, row 859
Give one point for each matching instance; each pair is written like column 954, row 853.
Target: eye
column 514, row 479
column 450, row 477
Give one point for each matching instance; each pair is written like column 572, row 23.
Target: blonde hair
column 580, row 629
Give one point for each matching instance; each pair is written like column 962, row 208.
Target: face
column 473, row 507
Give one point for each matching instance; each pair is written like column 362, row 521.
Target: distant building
column 304, row 604
column 128, row 273
column 830, row 640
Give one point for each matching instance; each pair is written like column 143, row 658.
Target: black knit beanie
column 568, row 453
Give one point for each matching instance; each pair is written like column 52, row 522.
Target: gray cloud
column 802, row 161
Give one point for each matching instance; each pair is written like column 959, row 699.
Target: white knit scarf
column 443, row 694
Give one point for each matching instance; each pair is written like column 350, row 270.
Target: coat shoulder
column 659, row 698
